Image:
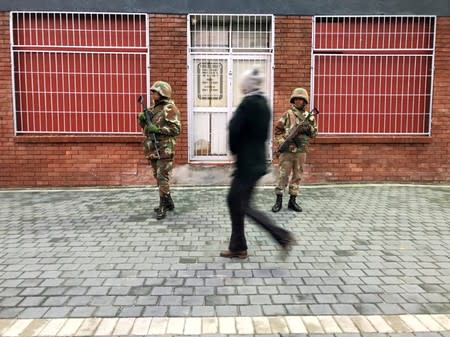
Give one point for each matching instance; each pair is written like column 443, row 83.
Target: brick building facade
column 101, row 160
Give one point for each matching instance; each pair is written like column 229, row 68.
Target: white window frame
column 389, row 51
column 55, row 48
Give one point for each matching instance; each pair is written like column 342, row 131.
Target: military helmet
column 299, row 93
column 162, row 88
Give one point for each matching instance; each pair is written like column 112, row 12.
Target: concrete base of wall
column 213, row 175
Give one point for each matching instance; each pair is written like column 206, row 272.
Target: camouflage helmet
column 162, row 88
column 299, row 93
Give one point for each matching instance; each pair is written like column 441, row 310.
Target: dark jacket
column 248, row 133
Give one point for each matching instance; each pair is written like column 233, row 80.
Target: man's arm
column 235, row 127
column 280, row 131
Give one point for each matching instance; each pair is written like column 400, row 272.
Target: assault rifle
column 296, row 130
column 148, row 120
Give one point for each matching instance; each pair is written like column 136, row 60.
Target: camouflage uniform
column 293, row 159
column 165, row 117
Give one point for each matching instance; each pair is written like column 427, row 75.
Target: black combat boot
column 156, row 209
column 293, row 204
column 162, row 209
column 170, row 204
column 278, row 203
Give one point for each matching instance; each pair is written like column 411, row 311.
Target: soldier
column 162, row 128
column 248, row 133
column 293, row 159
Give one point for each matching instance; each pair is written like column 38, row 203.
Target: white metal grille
column 373, row 32
column 230, row 33
column 221, row 48
column 78, row 72
column 373, row 74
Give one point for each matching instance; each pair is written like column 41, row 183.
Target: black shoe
column 287, row 242
column 278, row 203
column 240, row 254
column 293, row 204
column 286, row 246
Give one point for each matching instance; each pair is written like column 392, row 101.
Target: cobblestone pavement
column 369, row 258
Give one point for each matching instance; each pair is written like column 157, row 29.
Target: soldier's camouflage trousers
column 161, row 170
column 290, row 163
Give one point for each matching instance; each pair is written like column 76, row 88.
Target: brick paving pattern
column 74, row 259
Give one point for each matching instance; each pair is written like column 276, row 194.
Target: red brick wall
column 6, row 119
column 89, row 161
column 437, row 158
column 357, row 159
column 168, row 60
column 59, row 161
column 28, row 161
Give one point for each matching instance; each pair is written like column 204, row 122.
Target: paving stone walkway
column 368, row 259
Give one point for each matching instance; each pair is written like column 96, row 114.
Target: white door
column 214, row 93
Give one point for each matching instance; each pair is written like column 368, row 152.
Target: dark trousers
column 239, row 197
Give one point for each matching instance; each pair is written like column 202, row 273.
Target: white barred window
column 78, row 73
column 373, row 74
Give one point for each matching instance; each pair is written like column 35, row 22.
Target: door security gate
column 221, row 49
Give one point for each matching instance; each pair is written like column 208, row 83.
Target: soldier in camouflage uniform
column 165, row 125
column 293, row 159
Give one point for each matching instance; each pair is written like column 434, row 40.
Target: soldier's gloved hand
column 142, row 120
column 152, row 128
column 141, row 117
